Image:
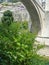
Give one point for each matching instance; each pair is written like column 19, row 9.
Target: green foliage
column 17, row 43
column 25, row 24
column 39, row 60
column 7, row 18
column 16, row 46
column 5, row 4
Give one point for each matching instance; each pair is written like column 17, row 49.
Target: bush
column 7, row 18
column 16, row 43
column 16, row 46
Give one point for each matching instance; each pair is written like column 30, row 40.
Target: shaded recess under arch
column 36, row 25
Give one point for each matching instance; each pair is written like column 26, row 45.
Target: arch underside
column 36, row 26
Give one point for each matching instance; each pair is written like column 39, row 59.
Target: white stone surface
column 42, row 41
column 44, row 51
column 19, row 11
column 47, row 5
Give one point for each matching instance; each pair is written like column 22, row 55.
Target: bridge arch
column 34, row 14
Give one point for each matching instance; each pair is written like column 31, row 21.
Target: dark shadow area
column 4, row 59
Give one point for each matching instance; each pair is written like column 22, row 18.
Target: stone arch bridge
column 39, row 18
column 36, row 13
